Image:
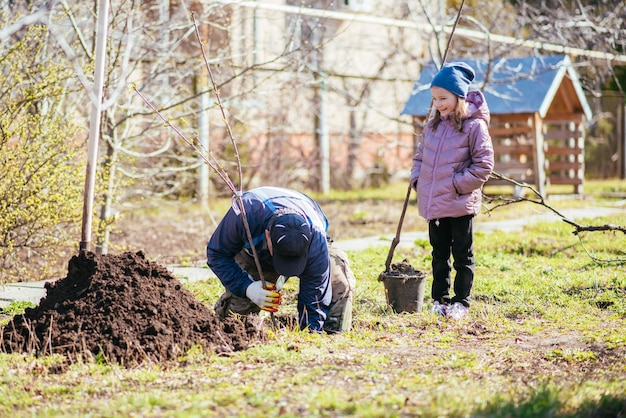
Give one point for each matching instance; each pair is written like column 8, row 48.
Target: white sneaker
column 457, row 311
column 439, row 308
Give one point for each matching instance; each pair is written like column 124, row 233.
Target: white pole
column 203, row 137
column 94, row 125
column 324, row 140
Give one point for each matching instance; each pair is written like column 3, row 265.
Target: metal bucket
column 404, row 287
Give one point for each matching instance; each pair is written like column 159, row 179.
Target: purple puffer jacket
column 450, row 167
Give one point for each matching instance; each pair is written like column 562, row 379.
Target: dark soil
column 405, row 268
column 123, row 309
column 402, row 270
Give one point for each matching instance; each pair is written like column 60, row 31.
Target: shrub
column 41, row 179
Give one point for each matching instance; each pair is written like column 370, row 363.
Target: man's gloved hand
column 267, row 299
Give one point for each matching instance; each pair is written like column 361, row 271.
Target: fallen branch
column 505, row 201
column 605, row 227
column 539, row 200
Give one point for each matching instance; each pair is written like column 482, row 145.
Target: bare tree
column 591, row 25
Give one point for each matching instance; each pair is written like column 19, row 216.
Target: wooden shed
column 538, row 114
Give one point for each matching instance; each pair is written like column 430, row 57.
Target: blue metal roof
column 516, row 85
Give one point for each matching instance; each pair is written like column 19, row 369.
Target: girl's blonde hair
column 459, row 114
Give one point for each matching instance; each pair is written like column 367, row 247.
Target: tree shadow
column 545, row 402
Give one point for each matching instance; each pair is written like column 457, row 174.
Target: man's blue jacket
column 260, row 204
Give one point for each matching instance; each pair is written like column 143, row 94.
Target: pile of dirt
column 125, row 309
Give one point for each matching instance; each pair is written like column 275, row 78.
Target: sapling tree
column 209, row 158
column 597, row 26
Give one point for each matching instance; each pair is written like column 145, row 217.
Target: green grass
column 546, row 337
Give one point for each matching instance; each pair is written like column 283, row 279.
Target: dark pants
column 452, row 236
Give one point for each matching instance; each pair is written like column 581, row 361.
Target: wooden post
column 621, row 139
column 540, row 156
column 580, row 157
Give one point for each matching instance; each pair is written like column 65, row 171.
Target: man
column 288, row 230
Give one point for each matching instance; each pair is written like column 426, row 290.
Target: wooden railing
column 513, row 144
column 562, row 151
column 565, row 153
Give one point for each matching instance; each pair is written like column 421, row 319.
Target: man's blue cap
column 291, row 237
column 455, row 77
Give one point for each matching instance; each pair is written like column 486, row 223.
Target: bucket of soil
column 404, row 287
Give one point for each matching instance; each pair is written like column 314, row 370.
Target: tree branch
column 539, row 200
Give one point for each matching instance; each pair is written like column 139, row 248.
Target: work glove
column 266, row 299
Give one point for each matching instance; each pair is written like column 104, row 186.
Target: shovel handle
column 396, row 239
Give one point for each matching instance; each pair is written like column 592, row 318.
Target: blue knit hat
column 455, row 77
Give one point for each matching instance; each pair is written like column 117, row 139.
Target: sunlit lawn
column 546, row 337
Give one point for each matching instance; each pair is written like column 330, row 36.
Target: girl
column 453, row 161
